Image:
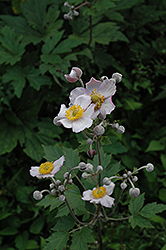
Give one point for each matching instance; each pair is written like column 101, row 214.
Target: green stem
column 99, row 158
column 100, row 235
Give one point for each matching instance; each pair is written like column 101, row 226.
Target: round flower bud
column 84, row 175
column 66, row 4
column 70, row 181
column 75, row 13
column 117, row 77
column 67, row 17
column 129, row 173
column 99, row 168
column 123, row 185
column 115, row 125
column 89, row 167
column 53, row 191
column 91, row 153
column 135, row 178
column 61, row 197
column 37, row 195
column 61, row 188
column 58, row 182
column 99, row 130
column 149, row 167
column 113, row 81
column 106, row 181
column 52, row 185
column 121, row 130
column 89, row 141
column 66, row 175
column 104, row 78
column 102, row 116
column 82, row 166
column 125, row 176
column 134, row 192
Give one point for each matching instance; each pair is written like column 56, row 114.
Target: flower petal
column 66, row 122
column 93, row 84
column 107, row 88
column 62, row 111
column 107, row 107
column 57, row 165
column 87, row 195
column 84, row 101
column 109, row 188
column 34, row 171
column 75, row 93
column 70, row 79
column 81, row 124
column 107, row 201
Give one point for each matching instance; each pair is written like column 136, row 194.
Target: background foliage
column 37, row 46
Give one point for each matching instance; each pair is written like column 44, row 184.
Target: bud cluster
column 119, row 128
column 72, row 12
column 89, row 170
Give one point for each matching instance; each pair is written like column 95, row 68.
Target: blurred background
column 37, row 47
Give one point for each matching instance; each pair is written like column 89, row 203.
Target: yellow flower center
column 97, row 98
column 99, row 192
column 46, row 168
column 74, row 112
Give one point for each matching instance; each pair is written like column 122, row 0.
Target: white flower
column 47, row 169
column 101, row 95
column 77, row 116
column 100, row 195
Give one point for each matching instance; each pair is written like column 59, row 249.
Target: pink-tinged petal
column 89, row 112
column 78, row 72
column 75, row 93
column 62, row 111
column 70, row 79
column 84, row 101
column 107, row 107
column 107, row 201
column 109, row 188
column 66, row 122
column 57, row 165
column 34, row 171
column 87, row 195
column 81, row 124
column 93, row 84
column 107, row 88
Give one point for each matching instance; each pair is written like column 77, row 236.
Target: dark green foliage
column 37, row 47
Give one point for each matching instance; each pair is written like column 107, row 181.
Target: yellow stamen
column 46, row 168
column 74, row 112
column 99, row 192
column 97, row 98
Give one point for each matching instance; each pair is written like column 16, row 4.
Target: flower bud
column 66, row 4
column 112, row 80
column 104, row 78
column 61, row 188
column 121, row 130
column 84, row 175
column 61, row 197
column 123, row 185
column 89, row 141
column 129, row 173
column 82, row 166
column 135, row 178
column 91, row 153
column 52, row 185
column 106, row 181
column 53, row 191
column 37, row 195
column 67, row 17
column 117, row 77
column 89, row 167
column 99, row 130
column 58, row 182
column 134, row 192
column 66, row 175
column 149, row 167
column 74, row 75
column 99, row 168
column 125, row 176
column 70, row 181
column 56, row 121
column 115, row 125
column 75, row 13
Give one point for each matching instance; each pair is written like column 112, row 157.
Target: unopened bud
column 149, row 167
column 53, row 191
column 112, row 80
column 70, row 181
column 99, row 168
column 91, row 153
column 37, row 195
column 75, row 13
column 104, row 78
column 58, row 182
column 89, row 141
column 135, row 178
column 99, row 130
column 61, row 188
column 89, row 167
column 84, row 175
column 61, row 197
column 67, row 17
column 52, row 185
column 66, row 175
column 66, row 4
column 117, row 77
column 121, row 130
column 134, row 192
column 129, row 173
column 123, row 185
column 115, row 125
column 106, row 181
column 125, row 176
column 82, row 166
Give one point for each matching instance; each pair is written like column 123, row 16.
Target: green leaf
column 112, row 169
column 81, row 239
column 8, row 231
column 64, row 223
column 32, row 244
column 164, row 247
column 21, row 240
column 162, row 195
column 71, row 157
column 140, row 221
column 136, row 204
column 57, row 241
column 150, row 210
column 50, row 201
column 155, row 145
column 132, row 104
column 37, row 225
